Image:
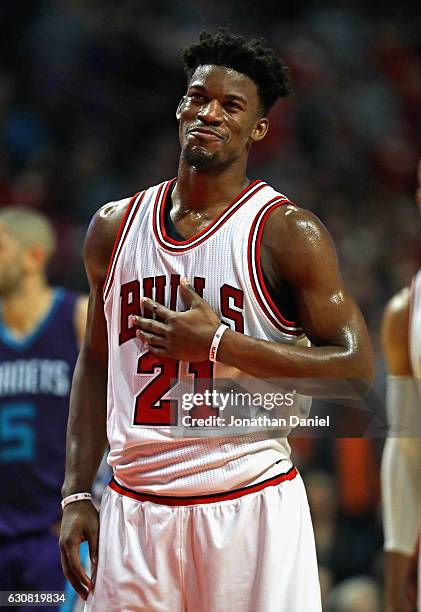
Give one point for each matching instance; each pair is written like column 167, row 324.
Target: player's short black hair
column 252, row 58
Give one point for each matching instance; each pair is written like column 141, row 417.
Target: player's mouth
column 205, row 134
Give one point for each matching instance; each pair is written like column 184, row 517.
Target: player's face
column 219, row 117
column 11, row 263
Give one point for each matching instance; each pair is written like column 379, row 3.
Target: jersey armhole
column 123, row 230
column 258, row 285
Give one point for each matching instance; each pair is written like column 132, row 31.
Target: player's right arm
column 86, row 430
column 401, row 486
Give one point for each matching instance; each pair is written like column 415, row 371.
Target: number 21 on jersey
column 155, row 404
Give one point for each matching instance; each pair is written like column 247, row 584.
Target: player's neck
column 23, row 309
column 198, row 190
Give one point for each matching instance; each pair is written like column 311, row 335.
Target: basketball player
column 41, row 328
column 202, row 523
column 401, row 462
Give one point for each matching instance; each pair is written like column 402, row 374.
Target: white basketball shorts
column 250, row 550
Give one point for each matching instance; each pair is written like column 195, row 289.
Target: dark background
column 88, row 92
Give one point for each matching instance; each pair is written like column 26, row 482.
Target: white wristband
column 74, row 498
column 215, row 342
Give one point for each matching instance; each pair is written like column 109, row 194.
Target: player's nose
column 212, row 112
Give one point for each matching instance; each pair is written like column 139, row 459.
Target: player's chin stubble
column 199, row 158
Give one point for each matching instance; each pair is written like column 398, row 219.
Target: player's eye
column 196, row 97
column 232, row 106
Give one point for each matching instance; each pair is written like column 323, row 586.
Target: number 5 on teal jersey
column 17, row 436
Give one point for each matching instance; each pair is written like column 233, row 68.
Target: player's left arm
column 81, row 311
column 303, row 254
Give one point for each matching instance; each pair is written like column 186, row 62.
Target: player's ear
column 35, row 258
column 178, row 111
column 260, row 129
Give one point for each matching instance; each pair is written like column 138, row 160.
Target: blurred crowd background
column 88, row 92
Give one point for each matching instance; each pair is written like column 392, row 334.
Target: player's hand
column 80, row 522
column 412, row 576
column 179, row 335
column 396, row 570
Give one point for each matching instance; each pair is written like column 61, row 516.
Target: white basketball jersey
column 223, row 263
column 415, row 327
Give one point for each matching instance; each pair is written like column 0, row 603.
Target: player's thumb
column 189, row 295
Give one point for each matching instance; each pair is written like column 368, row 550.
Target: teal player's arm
column 81, row 311
column 86, row 431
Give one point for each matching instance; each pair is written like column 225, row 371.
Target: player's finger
column 76, row 567
column 149, row 325
column 189, row 295
column 78, row 587
column 93, row 546
column 157, row 350
column 156, row 308
column 151, row 340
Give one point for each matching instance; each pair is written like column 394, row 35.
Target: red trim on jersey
column 185, row 245
column 156, row 204
column 274, row 314
column 117, row 240
column 259, row 268
column 117, row 245
column 169, row 500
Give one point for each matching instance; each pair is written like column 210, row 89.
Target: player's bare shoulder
column 102, row 234
column 394, row 333
column 397, row 307
column 298, row 240
column 396, row 316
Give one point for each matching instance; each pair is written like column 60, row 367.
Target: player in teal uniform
column 41, row 328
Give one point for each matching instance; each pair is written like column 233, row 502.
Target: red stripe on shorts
column 169, row 500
